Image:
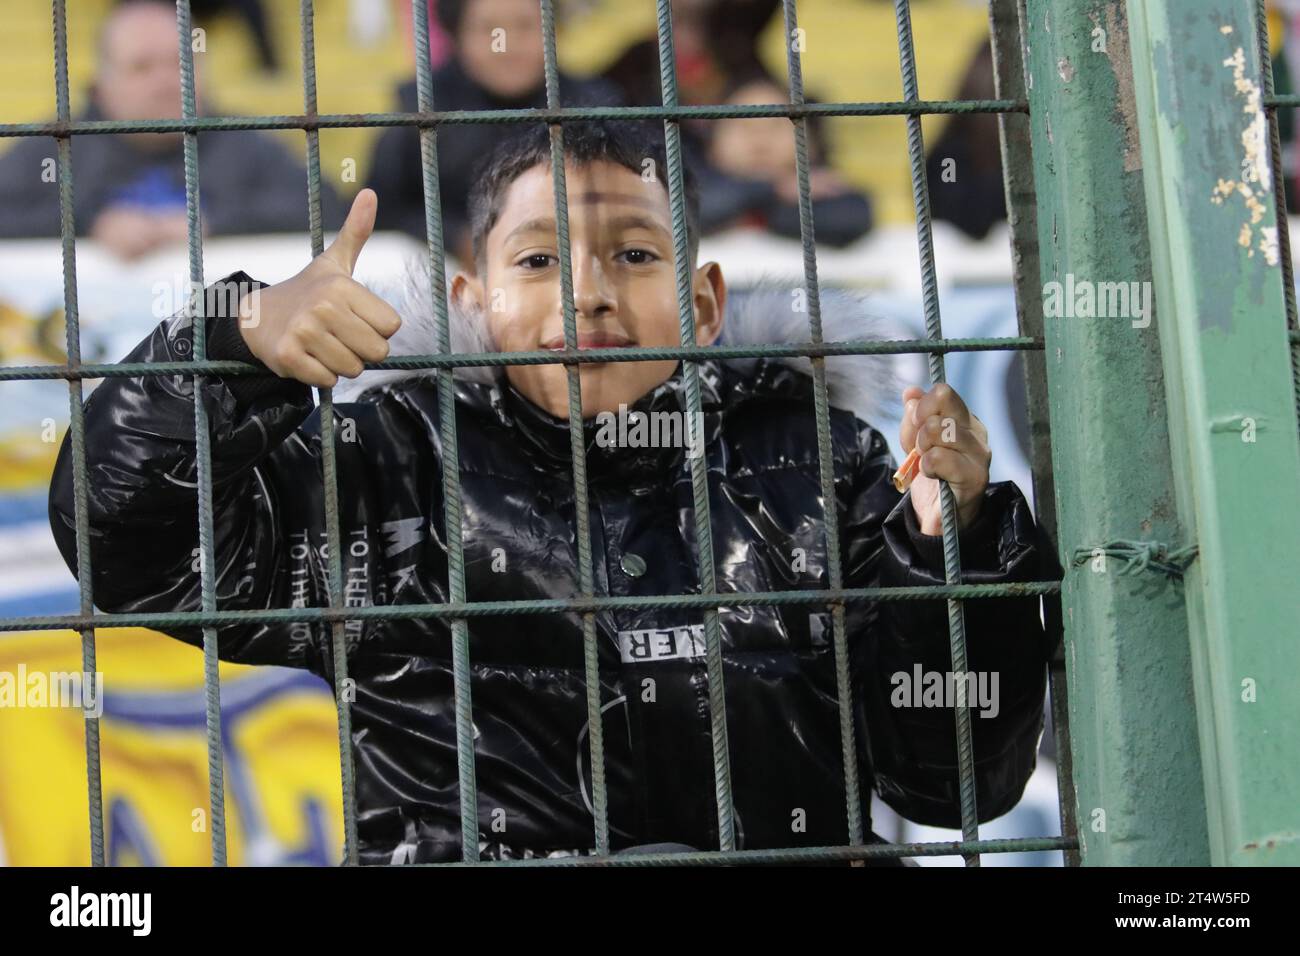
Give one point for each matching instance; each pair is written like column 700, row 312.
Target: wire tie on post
column 1140, row 556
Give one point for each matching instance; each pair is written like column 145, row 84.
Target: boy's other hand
column 954, row 446
column 322, row 323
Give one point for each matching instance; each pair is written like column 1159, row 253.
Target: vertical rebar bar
column 203, row 441
column 450, row 448
column 699, row 463
column 329, row 457
column 577, row 444
column 77, row 424
column 826, row 460
column 934, row 329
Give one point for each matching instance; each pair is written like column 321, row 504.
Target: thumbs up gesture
column 322, row 323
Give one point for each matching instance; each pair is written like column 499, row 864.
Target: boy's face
column 624, row 285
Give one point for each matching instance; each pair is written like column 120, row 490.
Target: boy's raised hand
column 954, row 446
column 322, row 323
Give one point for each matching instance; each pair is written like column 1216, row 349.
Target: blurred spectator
column 489, row 70
column 751, row 177
column 130, row 188
column 440, row 44
column 636, row 70
column 714, row 42
column 746, row 167
column 965, row 164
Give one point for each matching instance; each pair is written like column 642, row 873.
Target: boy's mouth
column 590, row 340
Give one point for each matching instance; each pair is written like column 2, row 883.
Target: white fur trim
column 761, row 313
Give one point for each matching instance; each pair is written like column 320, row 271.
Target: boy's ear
column 710, row 303
column 467, row 292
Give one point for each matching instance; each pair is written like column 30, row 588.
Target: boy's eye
column 638, row 257
column 538, row 260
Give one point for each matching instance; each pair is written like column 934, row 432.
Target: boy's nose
column 593, row 294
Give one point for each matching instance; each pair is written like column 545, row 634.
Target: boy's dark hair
column 628, row 143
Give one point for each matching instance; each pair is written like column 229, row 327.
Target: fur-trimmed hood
column 761, row 313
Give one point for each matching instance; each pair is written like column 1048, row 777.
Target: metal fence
column 1008, row 25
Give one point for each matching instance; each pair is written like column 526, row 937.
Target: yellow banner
column 280, row 747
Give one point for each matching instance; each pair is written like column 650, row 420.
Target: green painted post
column 1217, row 268
column 1137, row 767
column 1006, row 23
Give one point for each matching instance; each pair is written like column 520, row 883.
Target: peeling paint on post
column 1137, row 767
column 1211, row 202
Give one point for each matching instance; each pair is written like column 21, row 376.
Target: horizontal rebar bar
column 875, row 851
column 460, row 117
column 162, row 619
column 490, row 359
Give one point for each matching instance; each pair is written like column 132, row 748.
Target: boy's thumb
column 356, row 230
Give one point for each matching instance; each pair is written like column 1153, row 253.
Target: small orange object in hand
column 908, row 470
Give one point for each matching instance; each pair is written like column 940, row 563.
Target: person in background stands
column 489, row 71
column 751, row 177
column 714, row 42
column 130, row 188
column 964, row 168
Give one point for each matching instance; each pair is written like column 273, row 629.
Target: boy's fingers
column 307, row 370
column 951, row 465
column 911, row 396
column 357, row 228
column 335, row 356
column 927, row 436
column 381, row 316
column 936, row 432
column 360, row 338
column 907, row 433
column 939, row 432
column 907, row 427
column 942, row 400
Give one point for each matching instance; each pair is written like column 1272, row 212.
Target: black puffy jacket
column 529, row 705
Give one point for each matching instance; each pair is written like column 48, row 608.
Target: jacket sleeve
column 912, row 749
column 268, row 521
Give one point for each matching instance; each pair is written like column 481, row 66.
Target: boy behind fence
column 758, row 443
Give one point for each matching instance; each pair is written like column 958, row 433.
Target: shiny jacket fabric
column 529, row 703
